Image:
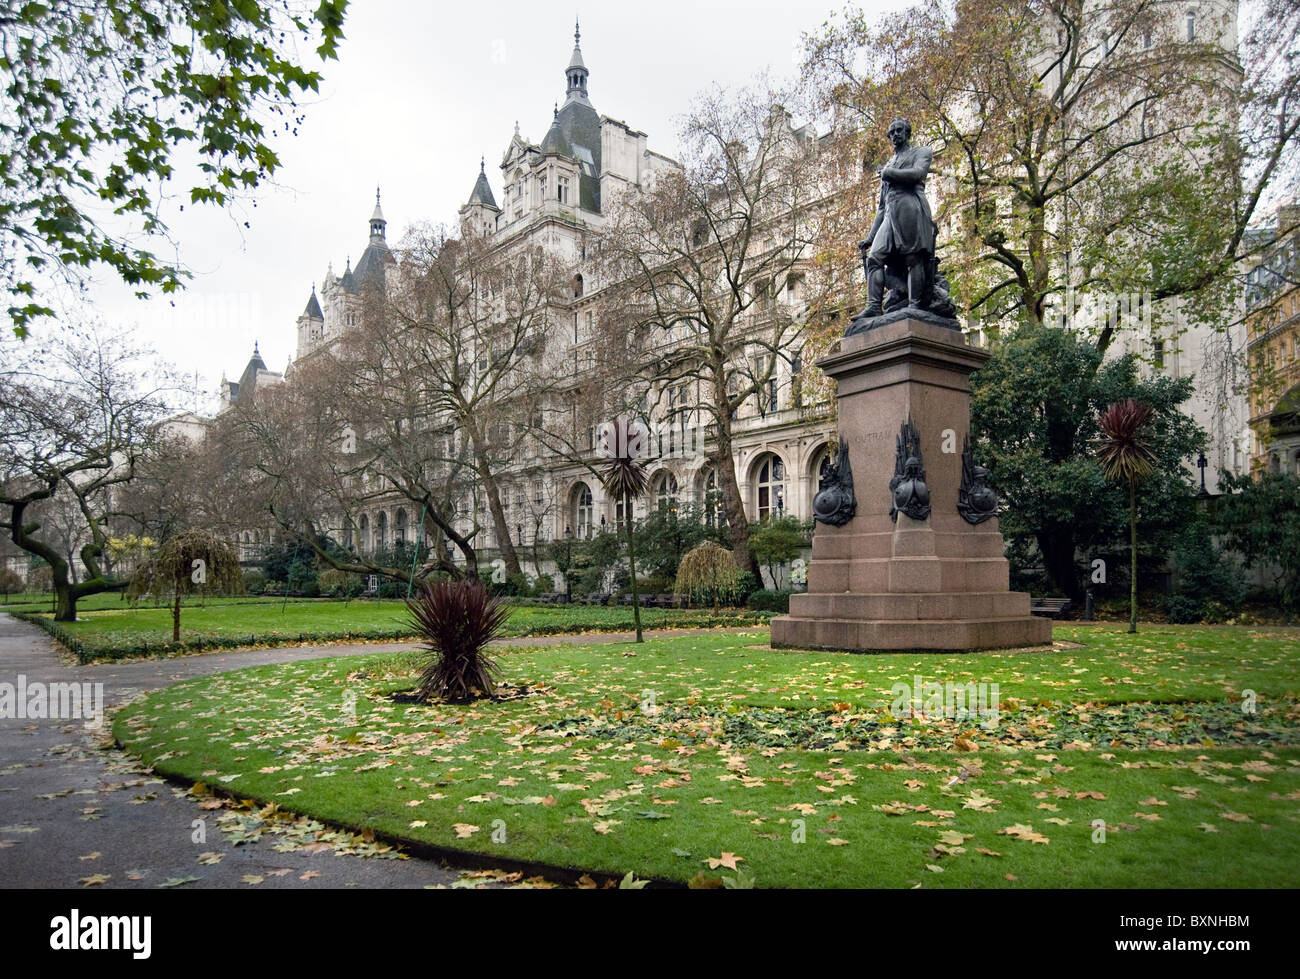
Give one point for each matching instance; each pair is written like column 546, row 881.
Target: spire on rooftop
column 313, row 310
column 577, row 71
column 482, row 192
column 377, row 222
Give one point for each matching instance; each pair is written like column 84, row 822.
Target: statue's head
column 981, row 474
column 912, row 466
column 900, row 131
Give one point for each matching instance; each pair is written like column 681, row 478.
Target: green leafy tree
column 1260, row 519
column 1210, row 583
column 667, row 533
column 1125, row 453
column 777, row 542
column 194, row 562
column 103, row 102
column 1034, row 410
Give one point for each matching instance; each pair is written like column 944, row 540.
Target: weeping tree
column 625, row 478
column 708, row 569
column 194, row 562
column 1125, row 453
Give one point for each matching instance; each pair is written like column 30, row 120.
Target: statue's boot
column 875, row 292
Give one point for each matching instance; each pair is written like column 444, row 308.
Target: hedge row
column 121, row 647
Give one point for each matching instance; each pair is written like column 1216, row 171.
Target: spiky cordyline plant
column 457, row 619
column 625, row 478
column 1125, row 454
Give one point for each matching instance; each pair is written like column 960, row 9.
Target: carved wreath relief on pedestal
column 910, row 494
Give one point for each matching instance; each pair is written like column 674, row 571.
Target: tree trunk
column 65, row 603
column 1133, row 556
column 631, row 563
column 732, row 504
column 502, row 529
column 176, row 617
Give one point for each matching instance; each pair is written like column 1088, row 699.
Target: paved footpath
column 72, row 806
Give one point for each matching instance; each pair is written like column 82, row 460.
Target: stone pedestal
column 938, row 584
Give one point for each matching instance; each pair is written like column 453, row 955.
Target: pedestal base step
column 922, row 635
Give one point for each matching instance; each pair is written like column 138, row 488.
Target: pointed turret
column 313, row 310
column 377, row 222
column 480, row 212
column 482, row 192
column 577, row 71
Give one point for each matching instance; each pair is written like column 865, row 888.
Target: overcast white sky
column 420, row 91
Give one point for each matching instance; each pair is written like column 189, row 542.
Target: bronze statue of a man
column 904, row 227
column 899, row 252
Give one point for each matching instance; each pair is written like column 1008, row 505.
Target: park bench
column 1052, row 608
column 553, row 597
column 597, row 598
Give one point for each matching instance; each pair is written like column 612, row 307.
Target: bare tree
column 467, row 324
column 695, row 263
column 313, row 455
column 76, row 426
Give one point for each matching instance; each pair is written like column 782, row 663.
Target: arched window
column 769, row 489
column 1191, row 25
column 666, row 492
column 577, row 286
column 399, row 528
column 582, row 511
column 363, row 532
column 381, row 531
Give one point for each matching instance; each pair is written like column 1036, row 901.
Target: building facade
column 1273, row 323
column 556, row 193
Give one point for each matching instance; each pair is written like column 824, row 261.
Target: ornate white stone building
column 553, row 194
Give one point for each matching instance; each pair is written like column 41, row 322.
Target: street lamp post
column 1202, row 462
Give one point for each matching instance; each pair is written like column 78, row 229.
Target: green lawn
column 662, row 757
column 115, row 629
